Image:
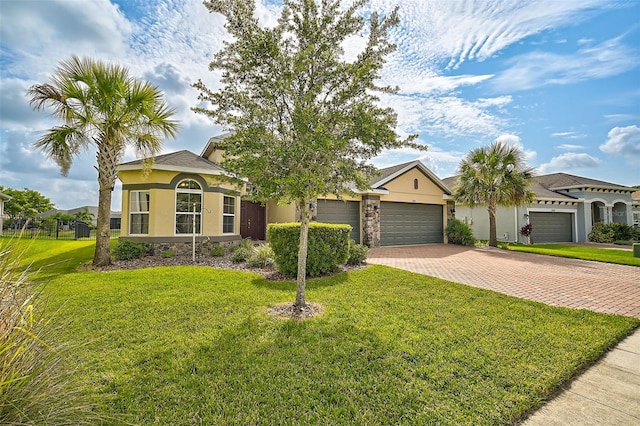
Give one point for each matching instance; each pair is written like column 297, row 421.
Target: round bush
column 357, row 253
column 128, row 249
column 460, row 233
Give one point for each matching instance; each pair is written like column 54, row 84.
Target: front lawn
column 621, row 257
column 178, row 345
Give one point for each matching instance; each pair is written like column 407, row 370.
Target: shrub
column 328, row 247
column 169, row 253
column 241, row 253
column 459, row 232
column 34, row 375
column 261, row 257
column 609, row 232
column 357, row 253
column 128, row 249
column 217, row 251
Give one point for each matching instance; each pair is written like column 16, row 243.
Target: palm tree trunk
column 305, row 217
column 493, row 240
column 102, row 255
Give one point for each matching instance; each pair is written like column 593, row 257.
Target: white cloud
column 616, row 118
column 623, row 141
column 568, row 135
column 569, row 161
column 539, row 68
column 569, row 147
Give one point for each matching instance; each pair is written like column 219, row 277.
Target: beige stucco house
column 406, row 203
column 182, row 194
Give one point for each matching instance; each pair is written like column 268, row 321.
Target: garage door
column 404, row 223
column 331, row 211
column 550, row 227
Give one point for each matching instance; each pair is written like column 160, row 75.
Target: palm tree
column 494, row 176
column 100, row 105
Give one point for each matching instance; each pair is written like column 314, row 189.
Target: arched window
column 188, row 206
column 415, row 183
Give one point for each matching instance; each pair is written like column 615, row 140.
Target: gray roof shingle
column 183, row 159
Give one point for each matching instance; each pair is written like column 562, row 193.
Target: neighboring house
column 182, row 192
column 93, row 210
column 3, row 197
column 565, row 210
column 635, row 199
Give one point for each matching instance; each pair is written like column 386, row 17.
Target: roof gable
column 390, row 173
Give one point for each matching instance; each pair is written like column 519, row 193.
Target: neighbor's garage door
column 405, row 223
column 331, row 211
column 551, row 227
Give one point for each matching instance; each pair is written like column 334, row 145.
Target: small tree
column 526, row 231
column 303, row 119
column 25, row 204
column 494, row 176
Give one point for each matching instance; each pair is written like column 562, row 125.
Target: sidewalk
column 606, row 394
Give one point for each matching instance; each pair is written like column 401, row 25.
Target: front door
column 252, row 220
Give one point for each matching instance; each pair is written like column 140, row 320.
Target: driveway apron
column 573, row 283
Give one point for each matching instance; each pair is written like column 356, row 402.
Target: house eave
column 164, row 167
column 410, row 166
column 592, row 187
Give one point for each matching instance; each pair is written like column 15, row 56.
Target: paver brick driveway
column 573, row 283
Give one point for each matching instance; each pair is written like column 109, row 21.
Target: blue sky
column 558, row 78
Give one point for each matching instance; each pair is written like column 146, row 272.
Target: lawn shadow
column 61, row 264
column 312, row 283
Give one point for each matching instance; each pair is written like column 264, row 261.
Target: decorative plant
column 526, row 231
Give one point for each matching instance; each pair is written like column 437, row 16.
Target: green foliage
column 34, row 373
column 129, row 249
column 168, row 253
column 261, row 257
column 241, row 253
column 494, row 176
column 217, row 251
column 460, row 233
column 357, row 253
column 609, row 232
column 26, row 203
column 328, row 247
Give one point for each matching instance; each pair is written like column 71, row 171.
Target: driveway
column 573, row 283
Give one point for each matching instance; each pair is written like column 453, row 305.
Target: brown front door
column 252, row 220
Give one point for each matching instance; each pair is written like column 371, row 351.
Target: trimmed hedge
column 611, row 232
column 328, row 247
column 128, row 249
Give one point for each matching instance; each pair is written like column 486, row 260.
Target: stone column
column 371, row 221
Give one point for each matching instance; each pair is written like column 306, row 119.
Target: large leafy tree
column 25, row 204
column 303, row 119
column 494, row 176
column 101, row 106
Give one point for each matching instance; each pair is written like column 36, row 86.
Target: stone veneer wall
column 371, row 221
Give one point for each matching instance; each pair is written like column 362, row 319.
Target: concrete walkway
column 607, row 393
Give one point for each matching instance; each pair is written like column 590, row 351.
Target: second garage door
column 406, row 223
column 331, row 211
column 551, row 227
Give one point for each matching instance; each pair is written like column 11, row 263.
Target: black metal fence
column 55, row 229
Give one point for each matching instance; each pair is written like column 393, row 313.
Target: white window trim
column 141, row 212
column 175, row 205
column 235, row 208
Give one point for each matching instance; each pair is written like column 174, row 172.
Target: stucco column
column 371, row 221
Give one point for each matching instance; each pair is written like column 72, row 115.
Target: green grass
column 621, row 257
column 196, row 345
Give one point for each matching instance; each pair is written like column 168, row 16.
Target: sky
column 558, row 78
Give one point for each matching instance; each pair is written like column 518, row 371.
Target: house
column 92, row 210
column 565, row 209
column 406, row 204
column 180, row 194
column 3, row 197
column 635, row 197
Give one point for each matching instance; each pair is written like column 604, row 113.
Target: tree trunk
column 102, row 255
column 493, row 240
column 305, row 217
column 107, row 160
